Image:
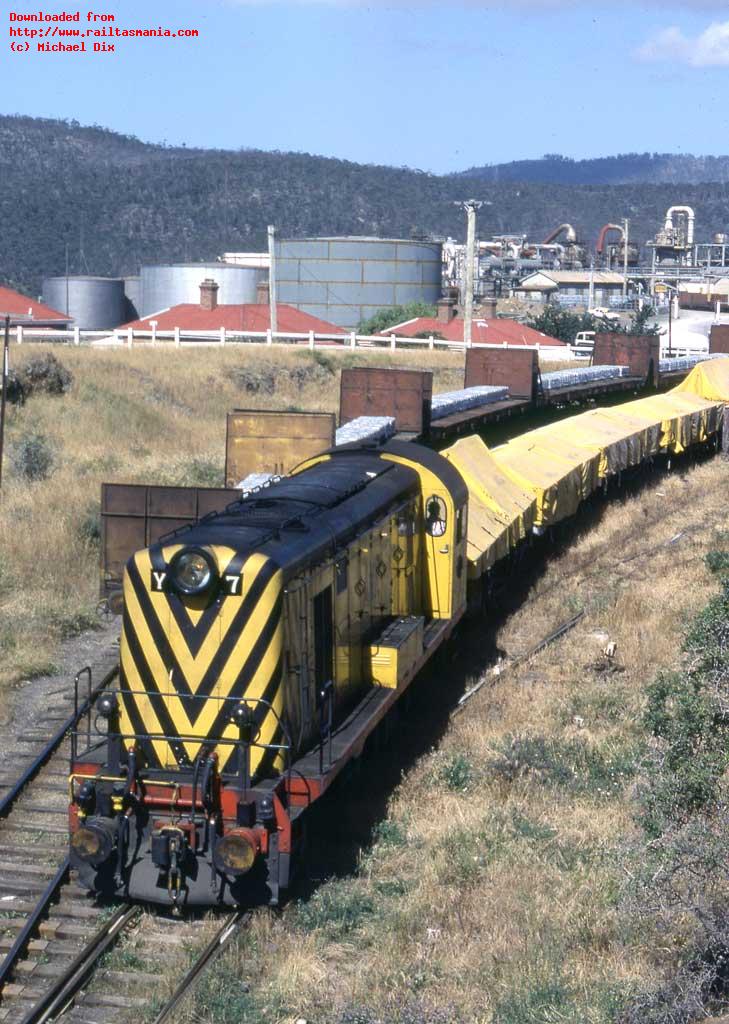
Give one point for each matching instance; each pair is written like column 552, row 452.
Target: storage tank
column 95, row 303
column 163, row 286
column 133, row 297
column 346, row 280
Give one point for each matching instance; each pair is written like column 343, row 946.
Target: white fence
column 129, row 338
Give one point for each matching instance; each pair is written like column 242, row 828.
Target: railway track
column 62, row 955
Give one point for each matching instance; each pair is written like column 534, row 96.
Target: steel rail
column 41, row 759
column 62, row 993
column 24, row 936
column 214, row 947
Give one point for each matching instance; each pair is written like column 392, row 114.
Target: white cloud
column 708, row 49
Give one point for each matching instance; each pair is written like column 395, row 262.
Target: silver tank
column 345, row 280
column 162, row 286
column 133, row 295
column 95, row 303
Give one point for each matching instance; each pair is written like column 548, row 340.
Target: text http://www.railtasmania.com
column 81, row 32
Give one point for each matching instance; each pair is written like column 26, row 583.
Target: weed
column 718, row 562
column 32, row 457
column 573, row 764
column 89, row 527
column 457, row 773
column 389, row 833
column 337, row 908
column 525, row 828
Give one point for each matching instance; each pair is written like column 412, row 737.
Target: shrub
column 16, row 393
column 718, row 562
column 45, row 374
column 32, row 457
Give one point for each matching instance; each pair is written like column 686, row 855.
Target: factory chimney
column 209, row 294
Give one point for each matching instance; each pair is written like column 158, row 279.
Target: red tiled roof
column 245, row 317
column 483, row 332
column 26, row 308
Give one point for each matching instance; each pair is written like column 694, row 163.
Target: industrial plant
column 343, row 281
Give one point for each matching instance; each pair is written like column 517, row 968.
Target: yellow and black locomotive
column 259, row 650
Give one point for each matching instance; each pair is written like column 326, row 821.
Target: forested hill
column 118, row 202
column 626, row 169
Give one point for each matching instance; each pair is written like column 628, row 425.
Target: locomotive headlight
column 236, row 852
column 94, row 841
column 193, row 570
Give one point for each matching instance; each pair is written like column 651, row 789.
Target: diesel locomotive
column 261, row 646
column 259, row 649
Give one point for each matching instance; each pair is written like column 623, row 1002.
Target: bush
column 32, row 457
column 16, row 393
column 46, row 375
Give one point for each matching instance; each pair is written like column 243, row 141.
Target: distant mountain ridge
column 117, row 202
column 624, row 169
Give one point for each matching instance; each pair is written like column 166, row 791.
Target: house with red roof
column 208, row 316
column 26, row 311
column 484, row 330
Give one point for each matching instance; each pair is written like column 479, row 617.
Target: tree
column 385, row 318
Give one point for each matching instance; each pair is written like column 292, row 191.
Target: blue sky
column 430, row 85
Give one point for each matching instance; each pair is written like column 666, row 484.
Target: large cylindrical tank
column 95, row 303
column 346, row 280
column 171, row 285
column 133, row 296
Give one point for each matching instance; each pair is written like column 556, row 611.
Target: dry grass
column 492, row 890
column 143, row 417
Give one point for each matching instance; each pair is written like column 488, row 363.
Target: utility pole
column 626, row 236
column 4, row 396
column 272, row 276
column 470, row 206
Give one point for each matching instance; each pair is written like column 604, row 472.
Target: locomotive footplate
column 175, row 841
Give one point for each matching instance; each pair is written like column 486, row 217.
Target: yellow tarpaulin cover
column 500, row 512
column 556, row 485
column 556, row 442
column 709, row 379
column 620, row 444
column 679, row 420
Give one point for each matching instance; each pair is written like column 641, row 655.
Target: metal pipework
column 600, row 247
column 669, row 226
column 570, row 234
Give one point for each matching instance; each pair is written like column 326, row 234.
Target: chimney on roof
column 262, row 293
column 488, row 308
column 209, row 294
column 446, row 309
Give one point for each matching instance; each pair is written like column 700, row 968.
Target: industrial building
column 91, row 303
column 24, row 310
column 572, row 287
column 165, row 285
column 207, row 315
column 347, row 280
column 484, row 330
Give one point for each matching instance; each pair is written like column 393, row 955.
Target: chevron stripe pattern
column 187, row 661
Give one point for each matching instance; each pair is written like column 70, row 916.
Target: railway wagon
column 261, row 646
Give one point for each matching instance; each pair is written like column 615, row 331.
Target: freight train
column 261, row 646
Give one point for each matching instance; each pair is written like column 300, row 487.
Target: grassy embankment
column 142, row 417
column 525, row 868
